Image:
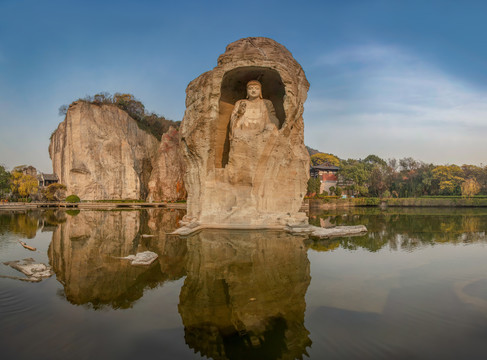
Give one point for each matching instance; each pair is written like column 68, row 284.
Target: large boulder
column 255, row 179
column 99, row 152
column 166, row 181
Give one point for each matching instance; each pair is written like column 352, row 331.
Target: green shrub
column 73, row 199
column 338, row 191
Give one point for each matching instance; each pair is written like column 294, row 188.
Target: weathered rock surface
column 255, row 179
column 35, row 272
column 166, row 181
column 99, row 152
column 324, row 233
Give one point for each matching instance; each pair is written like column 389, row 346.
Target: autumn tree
column 478, row 173
column 54, row 192
column 448, row 179
column 470, row 187
column 324, row 158
column 23, row 185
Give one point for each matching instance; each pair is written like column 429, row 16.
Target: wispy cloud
column 394, row 103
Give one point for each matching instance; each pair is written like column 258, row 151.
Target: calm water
column 414, row 287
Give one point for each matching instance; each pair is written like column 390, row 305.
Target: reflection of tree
column 23, row 223
column 85, row 252
column 243, row 297
column 405, row 229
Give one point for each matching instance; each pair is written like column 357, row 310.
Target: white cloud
column 394, row 104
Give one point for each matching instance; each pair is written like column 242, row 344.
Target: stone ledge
column 310, row 230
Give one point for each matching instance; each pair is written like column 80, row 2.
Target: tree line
column 148, row 121
column 18, row 185
column 407, row 177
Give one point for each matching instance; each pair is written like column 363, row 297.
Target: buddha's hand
column 241, row 108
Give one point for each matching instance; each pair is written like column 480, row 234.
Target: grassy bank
column 431, row 201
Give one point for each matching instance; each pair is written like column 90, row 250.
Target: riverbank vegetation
column 404, row 178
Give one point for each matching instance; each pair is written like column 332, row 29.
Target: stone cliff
column 99, row 152
column 247, row 165
column 166, row 181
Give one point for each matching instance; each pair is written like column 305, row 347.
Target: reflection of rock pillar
column 84, row 255
column 245, row 294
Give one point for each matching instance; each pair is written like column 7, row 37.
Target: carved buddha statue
column 253, row 114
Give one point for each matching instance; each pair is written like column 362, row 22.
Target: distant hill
column 312, row 151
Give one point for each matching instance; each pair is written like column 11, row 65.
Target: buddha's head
column 254, row 90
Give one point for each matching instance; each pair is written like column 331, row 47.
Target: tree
column 314, row 185
column 448, row 179
column 23, row 185
column 63, row 110
column 357, row 173
column 374, row 160
column 470, row 187
column 55, row 192
column 377, row 181
column 4, row 181
column 338, row 191
column 323, row 158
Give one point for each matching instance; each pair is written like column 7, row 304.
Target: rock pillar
column 253, row 172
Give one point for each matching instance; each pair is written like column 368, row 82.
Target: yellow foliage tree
column 22, row 184
column 323, row 158
column 470, row 187
column 449, row 178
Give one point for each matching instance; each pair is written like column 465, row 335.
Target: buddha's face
column 253, row 91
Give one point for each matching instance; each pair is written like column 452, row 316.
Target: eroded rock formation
column 99, row 152
column 251, row 172
column 166, row 181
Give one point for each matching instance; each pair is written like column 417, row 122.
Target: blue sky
column 391, row 78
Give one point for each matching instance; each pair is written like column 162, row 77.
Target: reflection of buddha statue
column 244, row 295
column 253, row 114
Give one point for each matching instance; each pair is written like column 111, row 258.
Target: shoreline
column 90, row 205
column 331, row 203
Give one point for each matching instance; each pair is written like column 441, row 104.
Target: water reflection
column 248, row 295
column 403, row 228
column 244, row 295
column 244, row 292
column 85, row 255
column 25, row 224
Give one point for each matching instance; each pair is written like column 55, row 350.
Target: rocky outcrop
column 238, row 178
column 99, row 152
column 166, row 181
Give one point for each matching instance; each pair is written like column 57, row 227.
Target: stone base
column 324, row 233
column 297, row 229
